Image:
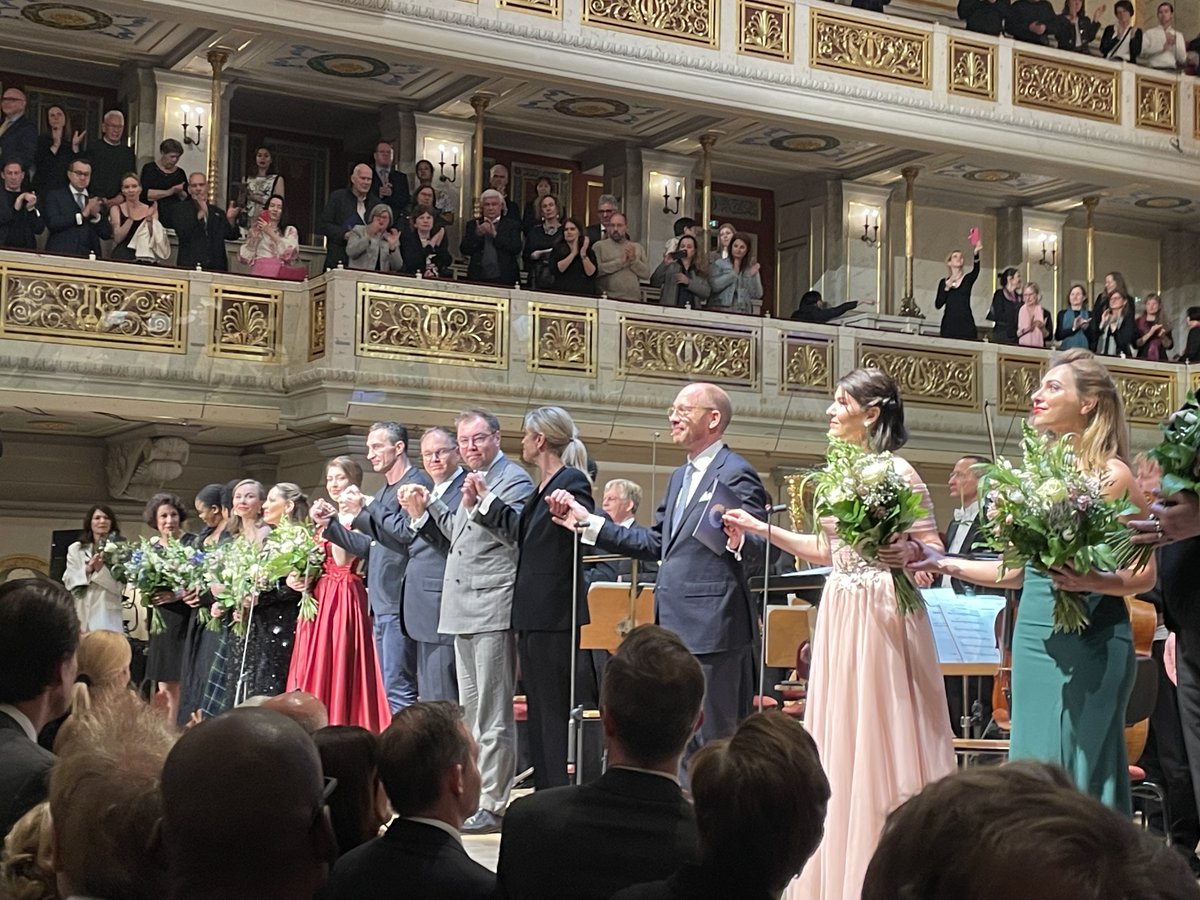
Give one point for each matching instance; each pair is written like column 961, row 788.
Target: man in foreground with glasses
column 700, row 595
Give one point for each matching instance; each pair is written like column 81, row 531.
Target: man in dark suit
column 389, row 185
column 387, row 451
column 347, row 207
column 701, row 595
column 39, row 633
column 77, row 222
column 203, row 229
column 427, row 763
column 111, row 158
column 606, row 207
column 20, row 219
column 492, row 243
column 633, row 823
column 18, row 134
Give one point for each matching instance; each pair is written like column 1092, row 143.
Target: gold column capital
column 480, row 101
column 217, row 57
column 910, row 174
column 1091, row 203
column 709, row 138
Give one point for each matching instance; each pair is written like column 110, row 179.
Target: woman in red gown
column 334, row 659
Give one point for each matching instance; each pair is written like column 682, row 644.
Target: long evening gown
column 335, row 657
column 200, row 647
column 165, row 662
column 876, row 709
column 266, row 646
column 1070, row 690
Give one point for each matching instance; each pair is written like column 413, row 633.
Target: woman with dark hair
column 57, row 146
column 97, row 593
column 683, row 276
column 165, row 513
column 1074, row 30
column 1153, row 331
column 261, row 186
column 1073, row 321
column 1122, row 42
column 573, row 262
column 736, row 282
column 272, row 247
column 539, row 244
column 164, row 181
column 1006, row 305
column 533, row 208
column 1113, row 330
column 359, row 807
column 423, row 245
column 868, row 659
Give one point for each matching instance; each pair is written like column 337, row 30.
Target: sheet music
column 964, row 627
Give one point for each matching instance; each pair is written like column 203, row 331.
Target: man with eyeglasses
column 700, row 595
column 76, row 220
column 607, row 207
column 18, row 135
column 477, row 592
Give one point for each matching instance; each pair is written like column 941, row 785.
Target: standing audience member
column 573, row 264
column 1191, row 349
column 358, row 808
column 375, row 246
column 621, row 264
column 39, row 633
column 1153, row 331
column 97, row 593
column 1113, row 281
column 272, row 248
column 346, row 207
column 423, row 245
column 633, row 823
column 606, row 208
column 684, row 225
column 261, row 186
column 1073, row 321
column 18, row 135
column 129, row 217
column 1033, row 321
column 682, row 276
column 739, row 285
column 76, row 220
column 111, row 158
column 498, row 181
column 1073, row 29
column 58, row 144
column 983, row 16
column 760, row 799
column 1122, row 41
column 1006, row 303
column 203, row 229
column 163, row 182
column 724, row 238
column 388, row 184
column 440, row 202
column 1113, row 334
column 954, row 294
column 1163, row 46
column 20, row 219
column 1031, row 21
column 1018, row 830
column 539, row 244
column 247, row 786
column 492, row 243
column 428, row 763
column 532, row 214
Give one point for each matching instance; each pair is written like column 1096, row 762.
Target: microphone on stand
column 777, row 509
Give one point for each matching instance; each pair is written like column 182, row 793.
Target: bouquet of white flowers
column 153, row 566
column 237, row 572
column 292, row 548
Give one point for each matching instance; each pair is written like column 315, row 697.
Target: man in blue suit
column 77, row 221
column 700, row 595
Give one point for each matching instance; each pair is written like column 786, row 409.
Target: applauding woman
column 1072, row 330
column 1153, row 331
column 375, row 246
column 97, row 592
column 271, row 247
column 1113, row 330
column 1005, row 305
column 954, row 294
column 683, row 276
column 735, row 280
column 423, row 245
column 573, row 262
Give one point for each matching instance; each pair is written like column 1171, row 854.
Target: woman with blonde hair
column 1070, row 688
column 549, row 580
column 954, row 294
column 27, row 863
column 1033, row 321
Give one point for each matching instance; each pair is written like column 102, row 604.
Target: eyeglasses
column 607, row 212
column 441, row 453
column 685, row 412
column 476, row 439
column 12, row 99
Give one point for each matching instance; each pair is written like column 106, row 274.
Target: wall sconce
column 442, row 176
column 870, row 235
column 1053, row 240
column 188, row 140
column 667, row 210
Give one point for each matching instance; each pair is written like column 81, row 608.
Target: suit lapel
column 687, row 524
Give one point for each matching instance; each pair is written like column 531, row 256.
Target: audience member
column 103, row 662
column 1113, row 333
column 428, row 765
column 105, row 803
column 682, row 276
column 539, row 244
column 606, row 208
column 76, row 220
column 738, row 285
column 954, row 293
column 20, row 219
column 1191, row 348
column 375, row 246
column 633, row 823
column 58, row 144
column 262, row 185
column 573, row 264
column 39, row 633
column 127, row 219
column 1163, row 46
column 1031, row 21
column 1073, row 29
column 359, row 806
column 813, row 308
column 1122, row 41
column 439, row 201
column 423, row 245
column 18, row 135
column 1006, row 305
column 203, row 228
column 272, row 248
column 492, row 242
column 724, row 238
column 111, row 158
column 498, row 181
column 163, row 181
column 983, row 16
column 27, row 858
column 1153, row 331
column 389, row 184
column 302, row 708
column 1073, row 321
column 683, row 225
column 532, row 213
column 243, row 810
column 760, row 799
column 1019, row 830
column 1033, row 321
column 621, row 264
column 346, row 207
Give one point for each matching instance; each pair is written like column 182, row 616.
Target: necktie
column 80, row 199
column 681, row 499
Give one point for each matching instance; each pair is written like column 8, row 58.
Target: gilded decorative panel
column 1156, row 103
column 550, row 8
column 317, row 322
column 66, row 306
column 947, row 378
column 1063, row 86
column 765, row 28
column 807, row 365
column 415, row 323
column 690, row 21
column 1195, row 383
column 1018, row 380
column 1149, row 396
column 972, row 69
column 654, row 348
column 562, row 339
column 868, row 48
column 246, row 323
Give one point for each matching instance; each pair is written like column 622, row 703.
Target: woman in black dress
column 573, row 261
column 166, row 514
column 423, row 245
column 1006, row 305
column 57, row 146
column 954, row 293
column 163, row 181
column 200, row 644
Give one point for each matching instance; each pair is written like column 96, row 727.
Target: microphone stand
column 575, row 717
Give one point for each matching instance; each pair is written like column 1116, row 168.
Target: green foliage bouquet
column 291, row 548
column 237, row 572
column 1048, row 514
column 153, row 566
column 1176, row 455
column 871, row 502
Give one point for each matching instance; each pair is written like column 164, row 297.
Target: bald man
column 243, row 810
column 346, row 207
column 301, row 707
column 700, row 595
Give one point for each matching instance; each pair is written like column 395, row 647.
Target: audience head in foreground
column 359, row 807
column 1020, row 830
column 244, row 810
column 301, row 707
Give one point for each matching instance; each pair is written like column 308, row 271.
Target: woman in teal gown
column 1070, row 689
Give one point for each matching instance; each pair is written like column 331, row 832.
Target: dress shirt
column 963, row 519
column 21, row 719
column 439, row 824
column 1157, row 53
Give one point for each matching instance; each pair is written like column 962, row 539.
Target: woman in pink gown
column 876, row 701
column 334, row 659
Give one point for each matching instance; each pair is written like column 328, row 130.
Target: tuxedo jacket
column 24, row 772
column 702, row 597
column 968, row 544
column 412, row 860
column 547, row 576
column 399, row 201
column 67, row 234
column 202, row 241
column 589, row 841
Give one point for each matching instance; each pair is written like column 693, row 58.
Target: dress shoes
column 483, row 822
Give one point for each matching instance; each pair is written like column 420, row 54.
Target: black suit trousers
column 546, row 659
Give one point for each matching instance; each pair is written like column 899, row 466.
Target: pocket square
column 704, row 498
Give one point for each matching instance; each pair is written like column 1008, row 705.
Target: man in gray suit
column 477, row 603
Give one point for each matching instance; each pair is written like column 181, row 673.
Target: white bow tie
column 961, row 515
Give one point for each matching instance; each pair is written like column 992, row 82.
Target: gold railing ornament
column 246, row 323
column 690, row 21
column 399, row 322
column 562, row 339
column 807, row 365
column 1070, row 88
column 765, row 29
column 854, row 46
column 972, row 69
column 317, row 322
column 652, row 348
column 550, row 8
column 1156, row 103
column 949, row 378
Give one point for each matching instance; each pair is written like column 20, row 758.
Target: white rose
column 1054, row 491
column 875, row 473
